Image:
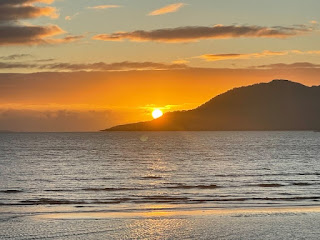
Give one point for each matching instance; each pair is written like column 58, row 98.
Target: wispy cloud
column 99, row 7
column 15, row 57
column 289, row 66
column 121, row 66
column 312, row 52
column 167, row 9
column 69, row 18
column 100, row 66
column 232, row 56
column 266, row 53
column 196, row 33
column 181, row 61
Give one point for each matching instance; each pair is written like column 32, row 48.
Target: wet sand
column 284, row 223
column 179, row 213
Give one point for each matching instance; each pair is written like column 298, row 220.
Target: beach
column 284, row 223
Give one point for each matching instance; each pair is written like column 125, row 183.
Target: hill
column 277, row 105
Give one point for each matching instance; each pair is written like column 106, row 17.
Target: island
column 278, row 105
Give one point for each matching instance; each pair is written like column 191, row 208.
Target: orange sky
column 84, row 101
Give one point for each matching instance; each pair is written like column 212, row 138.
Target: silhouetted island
column 277, row 105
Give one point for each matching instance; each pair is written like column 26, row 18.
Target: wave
column 159, row 199
column 151, row 177
column 315, row 198
column 11, row 191
column 184, row 186
column 170, row 186
column 274, row 185
column 302, row 184
column 177, row 186
column 270, row 185
column 47, row 201
column 59, row 190
column 110, row 189
column 270, row 174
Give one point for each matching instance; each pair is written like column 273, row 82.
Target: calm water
column 134, row 171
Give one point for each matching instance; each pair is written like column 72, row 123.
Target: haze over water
column 129, row 172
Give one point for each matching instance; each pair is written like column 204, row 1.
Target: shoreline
column 178, row 213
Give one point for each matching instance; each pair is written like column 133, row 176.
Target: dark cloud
column 13, row 32
column 101, row 66
column 8, row 12
column 10, row 65
column 15, row 56
column 45, row 60
column 33, row 35
column 47, row 64
column 195, row 33
column 289, row 66
column 20, row 2
column 55, row 120
column 231, row 56
column 27, row 35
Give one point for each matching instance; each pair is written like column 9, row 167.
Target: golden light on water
column 157, row 113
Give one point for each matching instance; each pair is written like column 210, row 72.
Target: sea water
column 121, row 174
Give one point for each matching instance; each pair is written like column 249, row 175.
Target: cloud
column 181, row 61
column 56, row 120
column 13, row 32
column 15, row 56
column 312, row 52
column 8, row 12
column 196, row 33
column 5, row 65
column 121, row 66
column 67, row 39
column 289, row 66
column 100, row 66
column 266, row 53
column 32, row 35
column 104, row 7
column 232, row 56
column 27, row 35
column 45, row 60
column 20, row 2
column 167, row 9
column 69, row 18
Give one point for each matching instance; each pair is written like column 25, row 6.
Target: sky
column 76, row 65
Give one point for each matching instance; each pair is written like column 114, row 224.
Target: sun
column 157, row 113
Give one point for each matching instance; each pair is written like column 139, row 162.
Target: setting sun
column 157, row 113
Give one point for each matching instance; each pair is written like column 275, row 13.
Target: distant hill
column 277, row 105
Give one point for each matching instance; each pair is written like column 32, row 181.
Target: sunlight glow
column 157, row 113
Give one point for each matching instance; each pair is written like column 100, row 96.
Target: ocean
column 160, row 185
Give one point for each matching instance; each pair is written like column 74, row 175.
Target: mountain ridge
column 276, row 105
